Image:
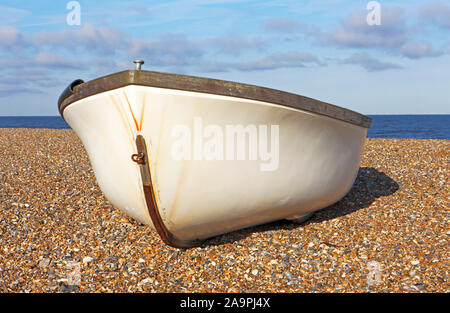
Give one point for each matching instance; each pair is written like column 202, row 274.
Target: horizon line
column 368, row 114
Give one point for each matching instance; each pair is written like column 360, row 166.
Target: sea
column 427, row 126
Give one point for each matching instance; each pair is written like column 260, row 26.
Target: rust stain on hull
column 142, row 113
column 123, row 118
column 131, row 110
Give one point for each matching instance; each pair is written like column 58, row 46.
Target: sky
column 394, row 62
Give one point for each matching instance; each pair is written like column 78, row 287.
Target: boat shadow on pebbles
column 369, row 185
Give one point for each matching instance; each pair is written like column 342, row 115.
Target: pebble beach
column 58, row 233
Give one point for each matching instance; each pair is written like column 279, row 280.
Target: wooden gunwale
column 210, row 86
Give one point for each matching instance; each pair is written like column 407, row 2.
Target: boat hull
column 199, row 196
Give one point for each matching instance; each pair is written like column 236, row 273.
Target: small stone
column 87, row 259
column 74, row 277
column 420, row 286
column 71, row 264
column 44, row 262
column 290, row 275
column 68, row 288
column 374, row 276
column 146, row 281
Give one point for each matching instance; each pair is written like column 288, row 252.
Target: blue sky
column 322, row 49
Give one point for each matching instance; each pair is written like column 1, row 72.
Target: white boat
column 196, row 157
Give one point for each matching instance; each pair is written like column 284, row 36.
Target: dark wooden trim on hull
column 141, row 158
column 80, row 90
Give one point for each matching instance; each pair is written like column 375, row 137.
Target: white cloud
column 11, row 38
column 419, row 50
column 274, row 61
column 50, row 60
column 370, row 63
column 87, row 38
column 437, row 13
column 354, row 31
